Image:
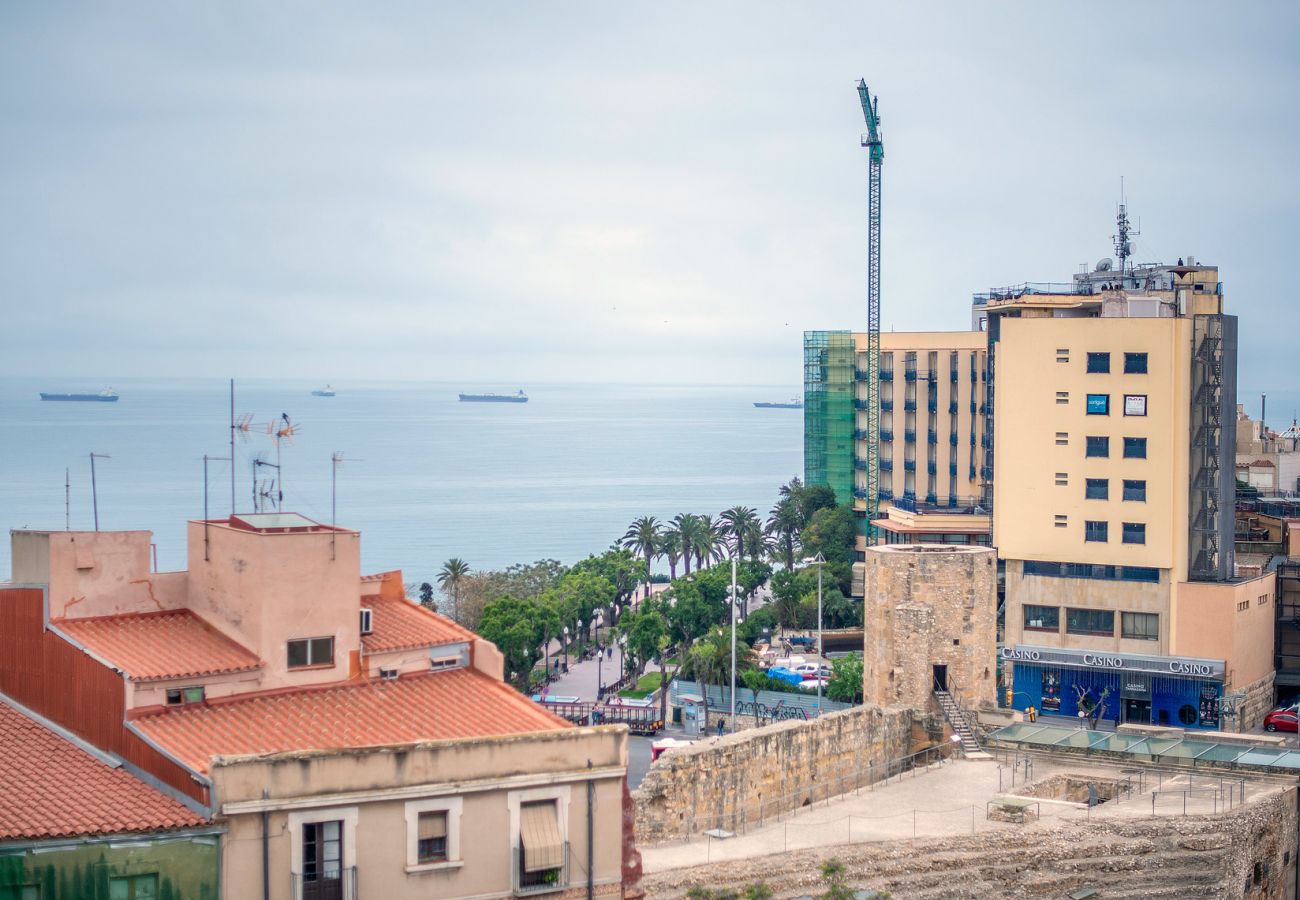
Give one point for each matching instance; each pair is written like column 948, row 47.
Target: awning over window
column 433, row 825
column 539, row 833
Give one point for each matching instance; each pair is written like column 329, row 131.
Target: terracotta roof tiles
column 151, row 646
column 455, row 703
column 402, row 625
column 52, row 788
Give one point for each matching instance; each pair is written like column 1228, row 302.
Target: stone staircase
column 960, row 725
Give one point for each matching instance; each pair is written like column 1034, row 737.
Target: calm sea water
column 425, row 477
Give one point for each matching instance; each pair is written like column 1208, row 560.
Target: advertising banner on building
column 1117, row 662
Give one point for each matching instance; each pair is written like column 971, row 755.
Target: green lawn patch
column 645, row 686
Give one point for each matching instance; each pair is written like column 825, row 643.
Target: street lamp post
column 600, row 681
column 820, row 562
column 566, row 648
column 622, row 656
column 733, row 645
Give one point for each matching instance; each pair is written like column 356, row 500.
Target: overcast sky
column 624, row 192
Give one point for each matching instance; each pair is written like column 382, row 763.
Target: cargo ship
column 106, row 396
column 793, row 403
column 518, row 397
column 326, row 391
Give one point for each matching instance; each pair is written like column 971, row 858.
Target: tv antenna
column 336, row 460
column 206, row 460
column 94, row 489
column 67, row 499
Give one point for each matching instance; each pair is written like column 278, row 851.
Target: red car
column 1281, row 720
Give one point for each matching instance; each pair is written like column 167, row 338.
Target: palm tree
column 711, row 663
column 783, row 524
column 757, row 541
column 713, row 543
column 642, row 537
column 670, row 548
column 691, row 531
column 738, row 522
column 452, row 576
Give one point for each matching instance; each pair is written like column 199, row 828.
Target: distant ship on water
column 105, row 396
column 792, row 403
column 326, row 391
column 518, row 397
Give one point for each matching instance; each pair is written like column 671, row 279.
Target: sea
column 423, row 476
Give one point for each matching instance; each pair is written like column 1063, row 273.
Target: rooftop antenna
column 206, row 460
column 336, row 460
column 67, row 499
column 281, row 430
column 1124, row 231
column 94, row 489
column 264, row 491
column 232, row 452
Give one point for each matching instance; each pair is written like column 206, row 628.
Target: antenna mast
column 232, row 449
column 206, row 460
column 1124, row 231
column 94, row 489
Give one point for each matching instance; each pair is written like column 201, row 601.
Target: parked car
column 808, row 671
column 811, row 684
column 1281, row 720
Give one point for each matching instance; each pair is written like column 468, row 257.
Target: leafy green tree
column 617, row 566
column 646, row 630
column 833, row 532
column 513, row 625
column 642, row 536
column 426, row 596
column 787, row 590
column 783, row 525
column 450, row 579
column 689, row 615
column 710, row 663
column 846, row 680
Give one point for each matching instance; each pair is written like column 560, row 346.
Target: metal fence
column 781, row 704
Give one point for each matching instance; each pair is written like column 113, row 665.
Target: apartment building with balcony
column 1110, row 445
column 342, row 740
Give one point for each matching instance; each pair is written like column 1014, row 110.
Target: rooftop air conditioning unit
column 388, row 674
column 367, row 620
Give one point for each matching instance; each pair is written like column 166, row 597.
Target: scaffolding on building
column 828, row 413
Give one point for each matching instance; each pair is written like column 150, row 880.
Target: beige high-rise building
column 1111, row 429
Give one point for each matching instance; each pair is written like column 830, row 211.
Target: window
column 1098, row 446
column 1062, row 354
column 133, row 887
column 1135, row 490
column 1089, row 570
column 322, row 858
column 1099, row 362
column 1139, row 626
column 1135, row 448
column 1062, row 478
column 1243, row 605
column 1062, row 521
column 178, row 696
column 1090, row 621
column 431, row 840
column 1098, row 404
column 1062, row 438
column 1097, row 489
column 311, row 652
column 1135, row 404
column 1042, row 618
column 1135, row 363
column 1135, row 533
column 541, row 844
column 1095, row 532
column 1062, row 397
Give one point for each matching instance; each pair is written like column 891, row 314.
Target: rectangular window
column 1099, row 362
column 1062, row 354
column 1135, row 363
column 1135, row 404
column 1096, row 532
column 1062, row 397
column 1062, row 438
column 1097, row 489
column 1135, row 490
column 1042, row 618
column 1090, row 621
column 1062, row 521
column 541, row 844
column 1098, row 446
column 1243, row 605
column 311, row 652
column 1088, row 570
column 1062, row 478
column 1139, row 626
column 178, row 696
column 1098, row 404
column 1135, row 533
column 431, row 844
column 133, row 887
column 1135, row 448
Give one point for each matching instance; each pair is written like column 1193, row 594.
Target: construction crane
column 876, row 147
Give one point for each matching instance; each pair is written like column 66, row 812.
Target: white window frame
column 516, row 799
column 347, row 851
column 453, row 807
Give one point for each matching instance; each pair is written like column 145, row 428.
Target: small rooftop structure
column 54, row 787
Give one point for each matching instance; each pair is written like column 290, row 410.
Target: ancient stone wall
column 928, row 606
column 752, row 776
column 1257, row 703
column 1249, row 854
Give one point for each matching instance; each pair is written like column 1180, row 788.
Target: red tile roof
column 454, row 703
column 400, row 624
column 51, row 788
column 170, row 644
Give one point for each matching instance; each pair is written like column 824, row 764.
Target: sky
column 611, row 192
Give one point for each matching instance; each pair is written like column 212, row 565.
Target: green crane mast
column 876, row 147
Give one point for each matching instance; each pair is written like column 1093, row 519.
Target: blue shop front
column 1179, row 691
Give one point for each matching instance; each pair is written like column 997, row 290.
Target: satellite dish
column 1103, row 265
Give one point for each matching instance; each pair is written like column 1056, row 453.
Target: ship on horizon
column 105, row 396
column 518, row 397
column 326, row 391
column 792, row 403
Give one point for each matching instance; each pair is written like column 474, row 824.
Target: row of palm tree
column 702, row 539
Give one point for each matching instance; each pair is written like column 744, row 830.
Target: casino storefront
column 1179, row 691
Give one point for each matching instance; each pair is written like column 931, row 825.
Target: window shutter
column 539, row 832
column 433, row 825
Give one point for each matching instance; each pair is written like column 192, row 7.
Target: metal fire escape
column 1210, row 559
column 876, row 147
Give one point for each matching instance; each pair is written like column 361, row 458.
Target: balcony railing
column 933, row 405
column 861, row 434
column 909, row 406
column 909, row 465
column 886, row 405
column 342, row 886
column 859, row 463
column 860, row 493
column 952, row 408
column 544, row 882
column 886, row 434
column 910, row 375
column 886, row 465
column 952, row 439
column 859, row 403
column 932, row 436
column 909, row 436
column 969, row 506
column 883, row 494
column 932, row 468
column 1030, row 287
column 886, row 374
